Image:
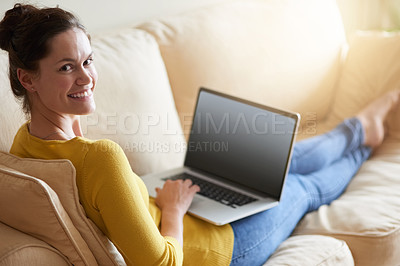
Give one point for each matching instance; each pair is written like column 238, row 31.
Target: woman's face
column 67, row 75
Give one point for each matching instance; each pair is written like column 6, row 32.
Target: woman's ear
column 26, row 79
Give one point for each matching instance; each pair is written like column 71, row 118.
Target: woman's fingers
column 192, row 187
column 185, row 183
column 177, row 194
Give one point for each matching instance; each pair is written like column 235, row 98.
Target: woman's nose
column 84, row 77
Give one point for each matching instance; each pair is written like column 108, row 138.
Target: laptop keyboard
column 216, row 192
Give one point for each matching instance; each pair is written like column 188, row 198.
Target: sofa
column 291, row 54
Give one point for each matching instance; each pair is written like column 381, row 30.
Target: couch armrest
column 312, row 250
column 17, row 248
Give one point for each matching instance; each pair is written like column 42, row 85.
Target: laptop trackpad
column 196, row 202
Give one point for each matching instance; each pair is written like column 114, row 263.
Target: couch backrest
column 135, row 106
column 284, row 53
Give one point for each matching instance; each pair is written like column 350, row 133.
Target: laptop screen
column 246, row 143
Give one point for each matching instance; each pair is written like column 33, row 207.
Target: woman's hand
column 176, row 195
column 174, row 200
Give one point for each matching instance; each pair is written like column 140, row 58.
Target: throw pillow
column 60, row 176
column 30, row 205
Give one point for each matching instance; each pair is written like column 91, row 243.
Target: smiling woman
column 65, row 79
column 51, row 69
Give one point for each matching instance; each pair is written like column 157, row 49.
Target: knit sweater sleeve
column 113, row 191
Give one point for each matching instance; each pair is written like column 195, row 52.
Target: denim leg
column 258, row 236
column 315, row 153
column 328, row 184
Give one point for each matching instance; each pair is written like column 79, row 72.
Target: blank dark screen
column 244, row 143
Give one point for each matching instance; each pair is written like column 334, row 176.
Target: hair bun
column 12, row 19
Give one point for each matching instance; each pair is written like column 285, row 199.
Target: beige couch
column 287, row 53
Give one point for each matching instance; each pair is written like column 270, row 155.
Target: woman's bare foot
column 373, row 116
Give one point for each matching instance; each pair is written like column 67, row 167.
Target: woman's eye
column 66, row 68
column 88, row 61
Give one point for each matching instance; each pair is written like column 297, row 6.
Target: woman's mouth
column 81, row 95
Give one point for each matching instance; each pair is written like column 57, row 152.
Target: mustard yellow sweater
column 117, row 201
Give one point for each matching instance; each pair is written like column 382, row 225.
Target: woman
column 52, row 73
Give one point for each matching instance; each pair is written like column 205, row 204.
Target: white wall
column 100, row 15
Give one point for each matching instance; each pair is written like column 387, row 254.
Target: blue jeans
column 320, row 171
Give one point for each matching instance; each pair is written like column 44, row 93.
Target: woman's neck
column 55, row 127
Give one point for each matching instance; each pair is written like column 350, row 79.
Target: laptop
column 238, row 152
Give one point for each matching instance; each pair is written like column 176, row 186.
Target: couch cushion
column 30, row 205
column 60, row 176
column 276, row 52
column 135, row 107
column 367, row 215
column 17, row 248
column 11, row 115
column 311, row 250
column 372, row 67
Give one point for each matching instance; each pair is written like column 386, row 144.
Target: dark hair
column 25, row 32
